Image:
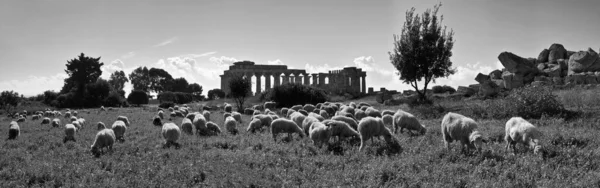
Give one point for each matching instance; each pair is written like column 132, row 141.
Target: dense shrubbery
column 293, row 94
column 175, row 97
column 166, row 105
column 443, row 89
column 137, row 97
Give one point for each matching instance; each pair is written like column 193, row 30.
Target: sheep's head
column 95, row 150
column 476, row 141
column 423, row 130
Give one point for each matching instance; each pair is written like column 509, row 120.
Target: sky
column 199, row 39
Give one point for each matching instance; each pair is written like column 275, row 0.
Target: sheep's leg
column 275, row 137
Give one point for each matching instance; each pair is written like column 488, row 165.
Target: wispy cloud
column 128, row 55
column 166, row 42
column 34, row 85
column 201, row 55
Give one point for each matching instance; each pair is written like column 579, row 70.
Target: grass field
column 40, row 158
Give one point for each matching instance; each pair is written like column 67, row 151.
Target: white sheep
column 518, row 130
column 256, row 112
column 359, row 114
column 75, row 113
column 317, row 116
column 102, row 108
column 70, row 130
column 124, row 119
column 228, row 108
column 319, row 134
column 350, row 121
column 341, row 129
column 157, row 121
column 67, row 115
column 46, row 120
column 171, row 109
column 191, row 116
column 76, row 124
column 285, row 126
column 100, row 126
column 73, row 118
column 324, row 114
column 289, row 113
column 284, row 111
column 306, row 123
column 264, row 119
column 171, row 134
column 369, row 127
column 187, row 126
column 119, row 127
column 21, row 119
column 309, row 107
column 161, row 114
column 55, row 122
column 347, row 109
column 296, row 107
column 81, row 121
column 254, row 125
column 269, row 105
column 200, row 125
column 225, row 115
column 237, row 116
column 105, row 138
column 405, row 120
column 13, row 130
column 388, row 121
column 387, row 112
column 298, row 118
column 373, row 112
column 35, row 117
column 231, row 125
column 213, row 128
column 206, row 115
column 460, row 128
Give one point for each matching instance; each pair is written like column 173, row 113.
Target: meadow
column 40, row 158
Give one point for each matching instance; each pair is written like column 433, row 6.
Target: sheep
column 248, row 111
column 317, row 116
column 226, row 114
column 228, row 108
column 308, row 121
column 161, row 114
column 264, row 119
column 296, row 107
column 102, row 108
column 119, row 127
column 70, row 130
column 13, row 130
column 364, row 108
column 256, row 112
column 303, row 112
column 186, row 126
column 289, row 112
column 178, row 113
column 319, row 134
column 284, row 111
column 373, row 112
column 388, row 121
column 342, row 113
column 213, row 128
column 104, row 139
column 269, row 105
column 329, row 109
column 67, row 115
column 274, row 116
column 176, row 108
column 359, row 114
column 369, row 127
column 73, row 118
column 285, row 126
column 157, row 121
column 298, row 118
column 518, row 130
column 347, row 109
column 231, row 125
column 76, row 124
column 341, row 129
column 317, row 111
column 35, row 117
column 386, row 112
column 75, row 113
column 171, row 109
column 319, row 105
column 351, row 122
column 100, row 126
column 405, row 120
column 81, row 121
column 254, row 125
column 309, row 107
column 237, row 116
column 206, row 115
column 55, row 122
column 21, row 119
column 460, row 128
column 257, row 107
column 200, row 125
column 361, row 104
column 324, row 114
column 352, row 104
column 191, row 116
column 124, row 119
column 171, row 134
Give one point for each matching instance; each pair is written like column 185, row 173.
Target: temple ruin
column 347, row 80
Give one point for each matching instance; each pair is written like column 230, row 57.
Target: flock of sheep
column 321, row 123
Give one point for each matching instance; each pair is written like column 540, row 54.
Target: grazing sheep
column 76, row 124
column 35, row 117
column 359, row 114
column 157, row 121
column 213, row 128
column 285, row 126
column 289, row 112
column 319, row 117
column 67, row 115
column 228, row 108
column 177, row 113
column 387, row 112
column 191, row 116
column 364, row 108
column 317, row 111
column 324, row 114
column 171, row 134
column 231, row 125
column 13, row 130
column 373, row 112
column 521, row 131
column 186, row 126
column 284, row 111
column 225, row 115
column 70, row 130
column 81, row 121
column 124, row 119
column 388, row 121
column 309, row 107
column 171, row 109
column 200, row 125
column 176, row 108
column 341, row 113
column 73, row 118
column 248, row 111
column 319, row 105
column 257, row 107
column 237, row 116
column 308, row 121
column 102, row 108
column 298, row 118
column 370, row 127
column 104, row 139
column 256, row 112
column 264, row 119
column 119, row 127
column 303, row 112
column 329, row 109
column 206, row 115
column 21, row 119
column 55, row 122
column 352, row 104
column 296, row 107
column 460, row 128
column 75, row 113
column 347, row 109
column 100, row 126
column 350, row 121
column 405, row 120
column 319, row 134
column 341, row 129
column 361, row 104
column 161, row 114
column 254, row 125
column 269, row 105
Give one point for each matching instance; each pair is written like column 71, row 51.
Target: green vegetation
column 293, row 94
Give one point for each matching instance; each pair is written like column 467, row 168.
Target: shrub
column 114, row 99
column 166, row 105
column 175, row 97
column 137, row 97
column 293, row 94
column 443, row 89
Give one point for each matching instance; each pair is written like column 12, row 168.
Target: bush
column 293, row 94
column 443, row 89
column 175, row 97
column 114, row 99
column 166, row 105
column 137, row 97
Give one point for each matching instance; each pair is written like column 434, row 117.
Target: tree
column 117, row 80
column 215, row 94
column 96, row 93
column 140, row 79
column 9, row 100
column 180, row 85
column 422, row 51
column 138, row 97
column 196, row 90
column 240, row 89
column 82, row 71
column 49, row 96
column 160, row 80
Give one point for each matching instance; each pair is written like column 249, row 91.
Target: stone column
column 258, row 83
column 225, row 83
column 277, row 79
column 314, row 78
column 267, row 81
column 364, row 84
column 306, row 79
column 322, row 79
column 286, row 78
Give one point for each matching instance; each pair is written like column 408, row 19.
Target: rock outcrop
column 584, row 61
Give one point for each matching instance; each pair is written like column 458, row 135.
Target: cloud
column 325, row 68
column 465, row 75
column 275, row 62
column 128, row 55
column 223, row 61
column 115, row 65
column 178, row 67
column 34, row 85
column 201, row 55
column 168, row 41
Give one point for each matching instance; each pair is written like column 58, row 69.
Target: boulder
column 496, row 74
column 482, row 78
column 591, row 79
column 543, row 57
column 467, row 91
column 512, row 80
column 576, row 78
column 499, row 82
column 541, row 66
column 382, row 96
column 518, row 66
column 563, row 63
column 584, row 61
column 557, row 51
column 553, row 70
column 488, row 89
column 475, row 87
column 533, row 60
column 542, row 79
column 558, row 81
column 569, row 53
